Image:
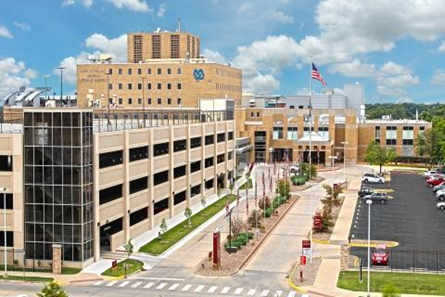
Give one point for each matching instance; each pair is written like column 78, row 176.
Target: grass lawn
column 119, row 270
column 65, row 270
column 172, row 236
column 246, row 185
column 28, row 278
column 407, row 283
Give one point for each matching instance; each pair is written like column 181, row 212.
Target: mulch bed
column 335, row 212
column 232, row 263
column 306, row 186
column 310, row 271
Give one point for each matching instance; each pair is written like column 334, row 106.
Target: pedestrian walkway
column 181, row 286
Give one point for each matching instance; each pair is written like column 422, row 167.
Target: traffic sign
column 306, row 244
column 302, row 260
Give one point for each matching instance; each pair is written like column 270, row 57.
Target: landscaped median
column 158, row 246
column 33, row 279
column 132, row 266
column 246, row 185
column 406, row 283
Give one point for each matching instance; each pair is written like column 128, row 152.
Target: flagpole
column 310, row 147
column 256, row 207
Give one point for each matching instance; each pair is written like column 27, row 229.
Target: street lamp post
column 333, row 158
column 4, row 234
column 369, row 202
column 344, row 162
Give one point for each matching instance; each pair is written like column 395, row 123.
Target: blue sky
column 395, row 48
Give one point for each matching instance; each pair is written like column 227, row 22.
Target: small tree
column 52, row 289
column 129, row 248
column 330, row 201
column 390, row 291
column 376, row 155
column 263, row 201
column 237, row 226
column 313, row 171
column 426, row 145
column 254, row 218
column 283, row 188
column 188, row 214
column 163, row 226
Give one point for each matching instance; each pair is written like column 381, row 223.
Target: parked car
column 439, row 187
column 377, row 196
column 380, row 255
column 429, row 173
column 441, row 205
column 440, row 195
column 294, row 168
column 435, row 180
column 373, row 178
column 365, row 191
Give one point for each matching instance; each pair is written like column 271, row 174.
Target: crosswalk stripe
column 278, row 293
column 162, row 285
column 110, row 284
column 212, row 289
column 292, row 294
column 124, row 284
column 135, row 285
column 238, row 291
column 98, row 283
column 251, row 292
column 225, row 290
column 186, row 288
column 173, row 287
column 265, row 293
column 199, row 288
column 148, row 286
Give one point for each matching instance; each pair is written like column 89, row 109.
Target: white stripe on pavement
column 110, row 284
column 292, row 294
column 278, row 293
column 148, row 286
column 199, row 288
column 238, row 291
column 212, row 289
column 98, row 283
column 173, row 287
column 251, row 292
column 124, row 284
column 225, row 290
column 264, row 293
column 162, row 285
column 135, row 285
column 186, row 288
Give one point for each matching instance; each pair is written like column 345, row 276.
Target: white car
column 294, row 168
column 439, row 187
column 429, row 173
column 441, row 205
column 440, row 195
column 373, row 178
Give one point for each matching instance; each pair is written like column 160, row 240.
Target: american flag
column 316, row 75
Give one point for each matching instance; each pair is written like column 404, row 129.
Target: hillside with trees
column 405, row 110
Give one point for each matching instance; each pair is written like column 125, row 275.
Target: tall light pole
column 369, row 202
column 143, row 100
column 46, row 82
column 344, row 162
column 333, row 162
column 61, row 82
column 4, row 230
column 108, row 100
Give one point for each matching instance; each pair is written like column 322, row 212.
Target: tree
column 254, row 218
column 188, row 214
column 163, row 226
column 52, row 289
column 376, row 155
column 330, row 201
column 129, row 248
column 237, row 226
column 425, row 145
column 283, row 188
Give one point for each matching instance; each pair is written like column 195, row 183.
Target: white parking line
column 238, row 291
column 186, row 288
column 98, row 283
column 161, row 286
column 251, row 292
column 124, row 284
column 173, row 287
column 264, row 293
column 225, row 290
column 148, row 286
column 110, row 284
column 135, row 285
column 199, row 288
column 292, row 294
column 212, row 289
column 278, row 293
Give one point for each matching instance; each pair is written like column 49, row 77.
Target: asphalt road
column 410, row 218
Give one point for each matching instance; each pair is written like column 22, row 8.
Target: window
column 159, row 101
column 179, row 86
column 110, row 86
column 160, row 206
column 377, row 132
column 408, row 135
column 209, row 184
column 149, row 71
column 159, row 71
column 138, row 185
column 324, row 132
column 195, row 166
column 130, row 86
column 110, row 71
column 179, row 171
column 195, row 190
column 179, row 71
column 179, row 145
column 149, row 86
column 130, row 101
column 208, row 162
column 277, row 133
column 9, row 202
column 9, row 238
column 257, row 114
column 229, row 155
column 169, row 86
column 159, row 86
column 179, row 101
column 139, row 86
column 292, row 133
column 221, row 137
column 130, row 71
column 169, row 71
column 306, row 131
column 421, row 129
column 149, row 101
column 138, row 153
column 110, row 159
column 169, row 101
column 391, row 135
column 120, row 86
column 139, row 101
column 209, row 139
column 220, row 158
column 180, row 197
column 160, row 149
column 252, row 114
column 139, row 71
column 138, row 216
column 119, row 71
column 230, row 135
column 120, row 101
column 195, row 142
column 160, row 178
column 5, row 163
column 110, row 194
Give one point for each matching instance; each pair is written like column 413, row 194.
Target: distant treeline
column 405, row 110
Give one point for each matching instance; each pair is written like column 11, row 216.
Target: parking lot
column 410, row 218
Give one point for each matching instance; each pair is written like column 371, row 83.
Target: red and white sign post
column 216, row 255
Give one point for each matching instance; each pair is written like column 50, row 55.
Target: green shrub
column 390, row 291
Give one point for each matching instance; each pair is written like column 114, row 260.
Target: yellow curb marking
column 389, row 244
column 291, row 283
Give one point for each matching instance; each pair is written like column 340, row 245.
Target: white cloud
column 281, row 17
column 4, row 32
column 86, row 3
column 214, row 56
column 13, row 75
column 438, row 78
column 135, row 5
column 392, row 79
column 161, row 10
column 354, row 68
column 70, row 65
column 442, row 47
column 246, row 8
column 68, row 2
column 262, row 84
column 23, row 26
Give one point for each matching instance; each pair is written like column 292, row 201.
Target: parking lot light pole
column 369, row 202
column 344, row 162
column 333, row 162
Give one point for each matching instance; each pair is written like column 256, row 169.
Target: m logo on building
column 198, row 74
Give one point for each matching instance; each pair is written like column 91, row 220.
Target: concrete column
column 187, row 169
column 150, row 180
column 96, row 202
column 126, row 190
column 203, row 147
column 215, row 163
column 171, row 177
column 57, row 258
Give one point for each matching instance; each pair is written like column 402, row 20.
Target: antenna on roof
column 179, row 25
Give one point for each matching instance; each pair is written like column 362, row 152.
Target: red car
column 435, row 180
column 380, row 255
